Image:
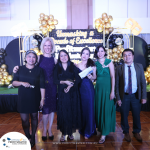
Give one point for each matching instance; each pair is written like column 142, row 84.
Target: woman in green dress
column 105, row 113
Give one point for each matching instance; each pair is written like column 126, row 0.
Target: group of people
column 55, row 86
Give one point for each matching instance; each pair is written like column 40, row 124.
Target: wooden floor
column 115, row 141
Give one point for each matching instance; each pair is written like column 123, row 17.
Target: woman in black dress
column 31, row 93
column 68, row 105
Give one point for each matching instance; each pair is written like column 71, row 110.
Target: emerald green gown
column 105, row 113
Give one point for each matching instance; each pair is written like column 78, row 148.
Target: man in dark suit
column 130, row 91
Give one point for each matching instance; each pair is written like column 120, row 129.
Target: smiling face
column 47, row 47
column 85, row 55
column 101, row 53
column 31, row 59
column 63, row 57
column 128, row 57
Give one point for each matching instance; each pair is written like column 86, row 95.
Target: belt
column 129, row 94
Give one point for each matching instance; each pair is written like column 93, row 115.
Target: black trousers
column 130, row 102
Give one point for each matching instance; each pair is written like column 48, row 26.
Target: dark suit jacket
column 120, row 82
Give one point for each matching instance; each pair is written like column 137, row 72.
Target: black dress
column 29, row 98
column 68, row 104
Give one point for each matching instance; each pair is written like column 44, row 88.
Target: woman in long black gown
column 31, row 94
column 68, row 105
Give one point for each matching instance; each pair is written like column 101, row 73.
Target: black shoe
column 51, row 137
column 32, row 143
column 29, row 137
column 44, row 138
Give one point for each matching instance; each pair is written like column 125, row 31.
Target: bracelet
column 43, row 98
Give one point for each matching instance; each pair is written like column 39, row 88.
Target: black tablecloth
column 8, row 103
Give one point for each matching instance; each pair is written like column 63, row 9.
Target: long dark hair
column 69, row 63
column 90, row 62
column 97, row 50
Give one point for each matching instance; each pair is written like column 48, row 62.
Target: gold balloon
column 105, row 19
column 3, row 66
column 50, row 22
column 36, row 49
column 7, row 82
column 40, row 21
column 110, row 57
column 5, row 73
column 148, row 75
column 4, row 69
column 106, row 31
column 119, row 46
column 110, row 51
column 119, row 59
column 104, row 15
column 0, row 73
column 42, row 15
column 145, row 73
column 1, row 83
column 107, row 25
column 96, row 26
column 9, row 78
column 50, row 30
column 47, row 26
column 114, row 49
column 118, row 51
column 115, row 55
column 4, row 77
column 148, row 69
column 120, row 55
column 44, row 22
column 112, row 60
column 55, row 22
column 111, row 29
column 51, row 17
column 97, row 22
column 110, row 18
column 102, row 21
column 115, row 60
column 148, row 80
column 44, row 30
column 46, row 17
column 121, row 50
column 100, row 29
column 1, row 76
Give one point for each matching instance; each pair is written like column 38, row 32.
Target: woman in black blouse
column 68, row 105
column 31, row 93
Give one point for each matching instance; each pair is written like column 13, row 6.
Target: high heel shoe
column 32, row 143
column 51, row 137
column 44, row 138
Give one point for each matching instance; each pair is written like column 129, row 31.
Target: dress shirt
column 133, row 78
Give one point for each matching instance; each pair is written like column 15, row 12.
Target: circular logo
column 14, row 141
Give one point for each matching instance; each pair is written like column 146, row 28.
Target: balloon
column 3, row 66
column 105, row 19
column 111, row 29
column 119, row 46
column 110, row 45
column 148, row 69
column 97, row 22
column 106, row 31
column 122, row 42
column 52, row 27
column 46, row 17
column 51, row 17
column 44, row 22
column 2, row 61
column 104, row 15
column 42, row 15
column 50, row 30
column 107, row 25
column 110, row 51
column 1, row 83
column 121, row 36
column 1, row 76
column 50, row 22
column 7, row 82
column 115, row 50
column 110, row 18
column 121, row 50
column 100, row 29
column 102, row 21
column 55, row 22
column 44, row 30
column 114, row 45
column 5, row 73
column 114, row 37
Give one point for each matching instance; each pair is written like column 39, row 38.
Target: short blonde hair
column 45, row 40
